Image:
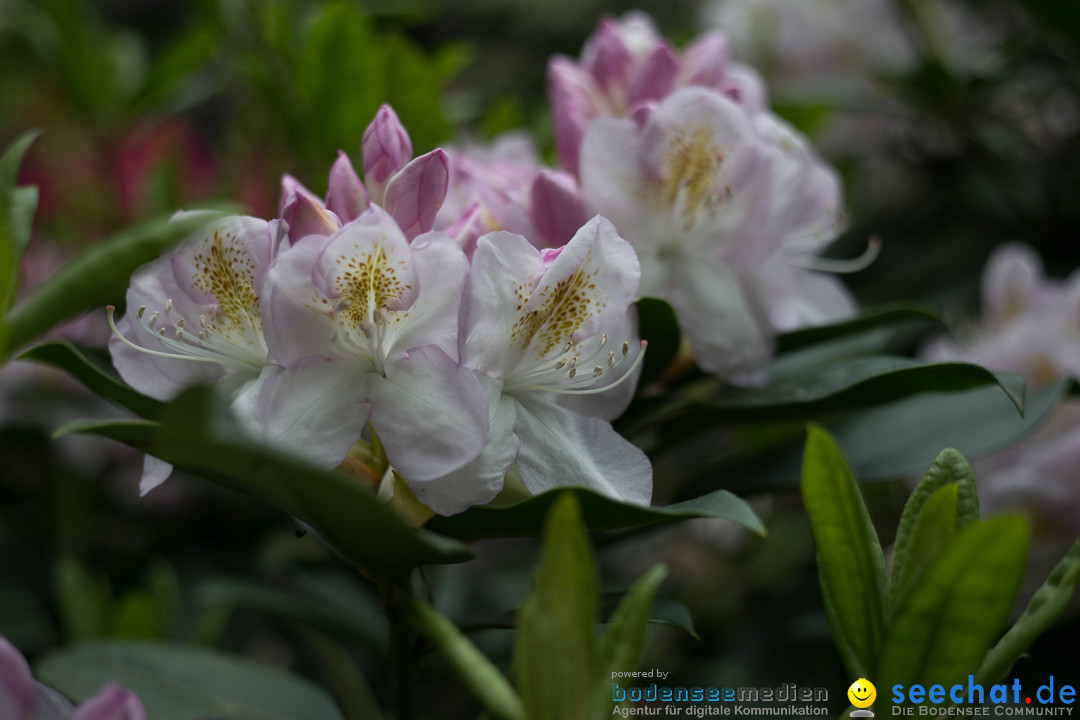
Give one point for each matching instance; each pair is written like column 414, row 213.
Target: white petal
column 611, row 178
column 316, row 409
column 430, row 413
column 729, row 337
column 154, row 473
column 610, row 404
column 560, row 448
column 478, row 481
column 296, row 316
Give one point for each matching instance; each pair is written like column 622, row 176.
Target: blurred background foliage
column 968, row 137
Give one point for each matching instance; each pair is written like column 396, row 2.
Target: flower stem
column 403, row 640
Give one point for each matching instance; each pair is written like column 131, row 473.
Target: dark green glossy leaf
column 1046, row 604
column 947, row 622
column 554, row 646
column 666, row 610
column 17, row 207
column 902, row 439
column 868, row 319
column 851, row 566
column 483, row 679
column 197, row 436
column 525, row 519
column 98, row 276
column 180, row 683
column 67, row 357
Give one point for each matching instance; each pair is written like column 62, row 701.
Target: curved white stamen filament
column 186, row 346
column 840, row 267
column 569, row 376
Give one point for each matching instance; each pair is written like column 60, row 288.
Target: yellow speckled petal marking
column 566, row 305
column 367, row 284
column 227, row 272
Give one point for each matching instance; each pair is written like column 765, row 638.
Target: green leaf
column 553, row 651
column 65, row 356
column 1045, row 605
column 851, row 566
column 81, row 598
column 857, row 382
column 943, row 628
column 17, row 207
column 197, row 435
column 526, row 518
column 932, row 528
column 176, row 682
column 915, row 536
column 868, row 319
column 666, row 610
column 620, row 645
column 98, row 276
column 902, row 439
column 136, row 616
column 482, row 678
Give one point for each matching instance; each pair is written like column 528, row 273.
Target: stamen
column 626, row 348
column 153, row 320
column 110, row 311
column 611, row 358
column 140, row 312
column 840, row 267
column 597, row 371
column 168, row 306
column 604, row 388
column 573, row 372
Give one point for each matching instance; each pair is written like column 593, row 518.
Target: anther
column 625, row 348
column 153, row 320
column 603, row 340
column 180, row 323
column 140, row 312
column 559, row 365
column 573, row 372
column 168, row 306
column 611, row 358
column 597, row 371
column 161, row 331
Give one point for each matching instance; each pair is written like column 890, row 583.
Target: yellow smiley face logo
column 862, row 693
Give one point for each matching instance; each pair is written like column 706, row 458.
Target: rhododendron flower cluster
column 462, row 307
column 345, row 317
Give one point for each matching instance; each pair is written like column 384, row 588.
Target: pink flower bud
column 414, row 195
column 705, row 62
column 346, row 196
column 556, row 207
column 655, row 78
column 305, row 216
column 386, row 148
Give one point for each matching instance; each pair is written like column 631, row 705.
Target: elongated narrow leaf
column 933, row 527
column 553, row 651
column 67, row 357
column 525, row 519
column 95, row 278
column 951, row 616
column 620, row 645
column 482, row 678
column 666, row 610
column 17, row 207
column 1046, row 604
column 197, row 435
column 851, row 566
column 180, row 683
column 868, row 319
column 948, row 468
column 901, row 439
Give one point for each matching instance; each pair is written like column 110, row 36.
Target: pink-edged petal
column 503, row 267
column 346, row 196
column 612, row 179
column 414, row 195
column 290, row 188
column 154, row 473
column 385, row 148
column 654, row 79
column 606, row 56
column 296, row 315
column 591, row 282
column 305, row 216
column 112, row 703
column 560, row 448
column 729, row 336
column 16, row 683
column 316, row 409
column 441, row 268
column 705, row 61
column 556, row 207
column 574, row 103
column 480, row 480
column 744, row 86
column 431, row 414
column 367, row 265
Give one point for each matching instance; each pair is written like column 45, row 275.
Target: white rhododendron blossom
column 723, row 216
column 364, row 325
column 194, row 316
column 540, row 326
